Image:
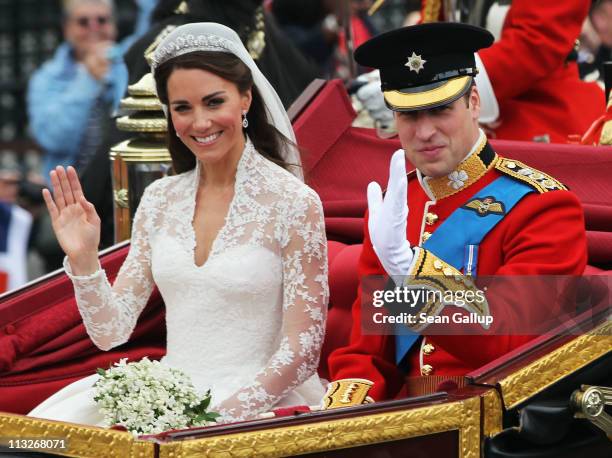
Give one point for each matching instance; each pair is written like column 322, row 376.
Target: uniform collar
column 479, row 161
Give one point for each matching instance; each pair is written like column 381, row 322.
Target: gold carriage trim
column 153, row 124
column 431, row 273
column 141, row 103
column 140, row 150
column 538, row 180
column 81, row 441
column 544, row 372
column 87, row 441
column 491, row 413
column 462, row 416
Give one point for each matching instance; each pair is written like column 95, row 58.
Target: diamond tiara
column 190, row 43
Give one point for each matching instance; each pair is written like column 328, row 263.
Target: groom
column 466, row 211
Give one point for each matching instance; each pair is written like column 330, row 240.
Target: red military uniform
column 542, row 235
column 539, row 93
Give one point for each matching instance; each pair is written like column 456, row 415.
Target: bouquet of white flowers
column 148, row 397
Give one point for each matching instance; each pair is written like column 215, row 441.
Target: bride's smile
column 210, row 139
column 206, row 111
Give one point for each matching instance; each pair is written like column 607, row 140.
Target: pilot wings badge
column 485, row 206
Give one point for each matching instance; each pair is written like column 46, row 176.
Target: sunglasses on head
column 86, row 21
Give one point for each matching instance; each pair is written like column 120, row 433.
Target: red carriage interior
column 43, row 344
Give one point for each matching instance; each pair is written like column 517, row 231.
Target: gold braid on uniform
column 470, row 169
column 431, row 10
column 442, row 284
column 540, row 181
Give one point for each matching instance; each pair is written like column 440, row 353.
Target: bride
column 234, row 241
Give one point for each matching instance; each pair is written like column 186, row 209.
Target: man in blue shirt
column 82, row 83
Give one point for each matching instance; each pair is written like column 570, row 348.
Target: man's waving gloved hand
column 388, row 218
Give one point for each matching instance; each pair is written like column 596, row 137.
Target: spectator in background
column 362, row 29
column 72, row 92
column 15, row 224
column 596, row 41
column 601, row 17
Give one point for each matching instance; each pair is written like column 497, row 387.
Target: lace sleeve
column 110, row 314
column 305, row 295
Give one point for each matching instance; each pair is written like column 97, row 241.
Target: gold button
column 426, row 369
column 448, row 272
column 438, row 264
column 428, row 349
column 431, row 218
column 425, row 236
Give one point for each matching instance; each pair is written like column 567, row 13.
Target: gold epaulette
column 538, row 180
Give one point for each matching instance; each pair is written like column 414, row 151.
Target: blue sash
column 457, row 239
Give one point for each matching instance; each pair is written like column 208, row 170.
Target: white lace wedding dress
column 249, row 323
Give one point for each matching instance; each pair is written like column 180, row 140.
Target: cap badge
column 415, row 62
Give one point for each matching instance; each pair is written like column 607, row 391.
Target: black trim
column 433, row 82
column 487, row 155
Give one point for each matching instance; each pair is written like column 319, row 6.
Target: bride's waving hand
column 75, row 221
column 109, row 313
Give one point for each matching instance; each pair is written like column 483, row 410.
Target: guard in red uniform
column 466, row 212
column 534, row 74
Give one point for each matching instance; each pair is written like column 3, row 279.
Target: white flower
column 457, row 179
column 148, row 397
column 307, row 342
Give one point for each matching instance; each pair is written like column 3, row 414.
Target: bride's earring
column 245, row 121
column 177, row 134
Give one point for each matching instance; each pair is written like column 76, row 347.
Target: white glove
column 371, row 97
column 388, row 219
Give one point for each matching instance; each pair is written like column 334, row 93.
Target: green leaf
column 100, row 371
column 201, row 407
column 208, row 417
column 204, row 403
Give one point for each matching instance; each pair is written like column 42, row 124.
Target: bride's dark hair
column 268, row 141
